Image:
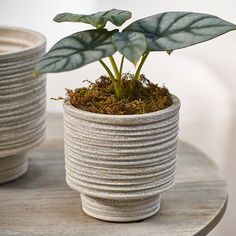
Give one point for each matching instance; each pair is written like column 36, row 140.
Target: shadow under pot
column 22, row 99
column 121, row 163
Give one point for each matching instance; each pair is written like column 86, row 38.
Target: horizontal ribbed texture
column 19, row 43
column 22, row 97
column 120, row 211
column 12, row 167
column 120, row 158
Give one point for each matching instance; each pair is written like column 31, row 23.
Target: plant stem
column 118, row 89
column 108, row 71
column 118, row 82
column 114, row 66
column 115, row 82
column 121, row 65
column 144, row 57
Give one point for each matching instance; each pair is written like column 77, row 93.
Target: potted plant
column 22, row 99
column 121, row 132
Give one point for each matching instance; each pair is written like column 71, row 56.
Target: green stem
column 121, row 65
column 141, row 65
column 118, row 89
column 108, row 71
column 116, row 83
column 114, row 66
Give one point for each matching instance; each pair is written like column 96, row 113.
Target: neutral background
column 202, row 76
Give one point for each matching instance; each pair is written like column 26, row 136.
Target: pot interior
column 17, row 39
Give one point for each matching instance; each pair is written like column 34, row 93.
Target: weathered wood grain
column 40, row 203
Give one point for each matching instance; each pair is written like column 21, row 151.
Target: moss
column 139, row 96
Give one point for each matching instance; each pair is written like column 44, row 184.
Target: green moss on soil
column 140, row 96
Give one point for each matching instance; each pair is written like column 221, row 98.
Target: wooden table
column 40, row 203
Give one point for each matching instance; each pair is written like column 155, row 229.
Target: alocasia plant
column 166, row 31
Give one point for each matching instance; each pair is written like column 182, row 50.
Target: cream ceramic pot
column 22, row 99
column 121, row 163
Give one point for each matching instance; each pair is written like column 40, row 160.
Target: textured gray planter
column 22, row 99
column 121, row 164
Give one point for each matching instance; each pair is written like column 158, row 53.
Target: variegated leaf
column 130, row 44
column 173, row 30
column 77, row 50
column 98, row 20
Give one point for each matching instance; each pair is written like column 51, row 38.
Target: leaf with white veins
column 174, row 30
column 131, row 45
column 98, row 20
column 77, row 50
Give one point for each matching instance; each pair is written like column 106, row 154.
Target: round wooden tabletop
column 40, row 203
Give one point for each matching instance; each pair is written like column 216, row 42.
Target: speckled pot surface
column 121, row 163
column 22, row 99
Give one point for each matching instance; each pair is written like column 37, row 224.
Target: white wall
column 203, row 76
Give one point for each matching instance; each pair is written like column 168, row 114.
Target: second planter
column 22, row 99
column 121, row 163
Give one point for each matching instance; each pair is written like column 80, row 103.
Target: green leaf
column 174, row 30
column 77, row 50
column 98, row 20
column 131, row 45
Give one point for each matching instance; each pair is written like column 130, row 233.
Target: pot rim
column 162, row 114
column 38, row 45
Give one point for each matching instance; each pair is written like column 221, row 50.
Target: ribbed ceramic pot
column 121, row 163
column 22, row 99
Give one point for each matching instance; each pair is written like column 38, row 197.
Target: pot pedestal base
column 12, row 168
column 120, row 210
